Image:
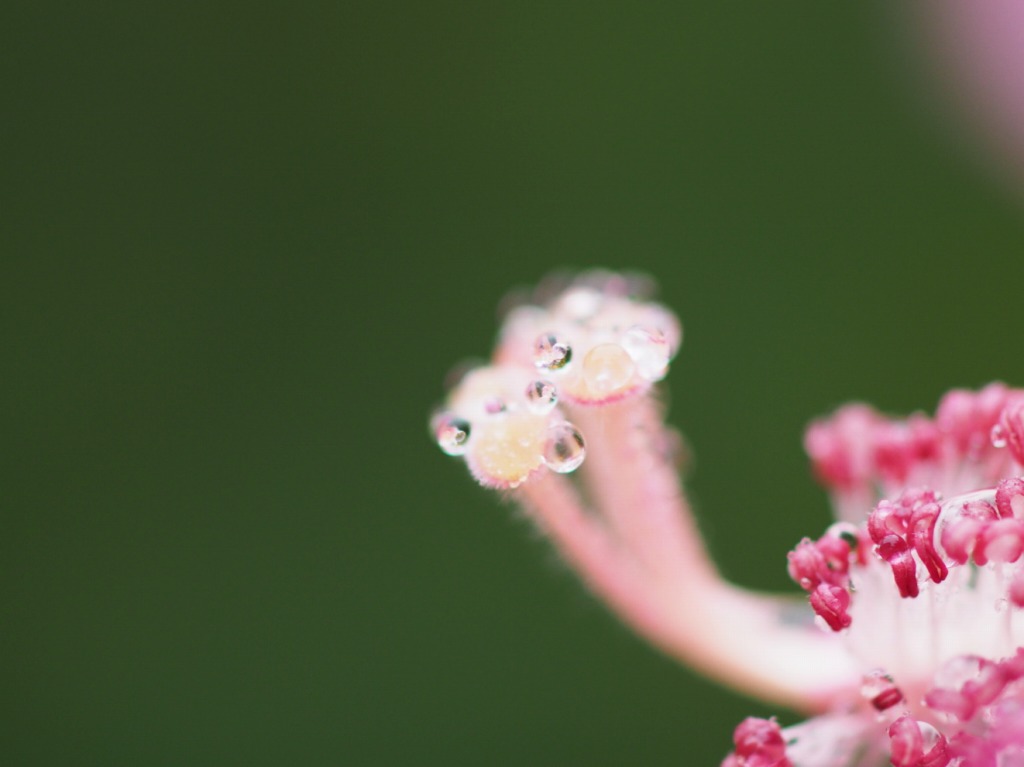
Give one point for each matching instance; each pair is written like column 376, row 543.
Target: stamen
column 1001, row 540
column 880, row 690
column 1010, row 498
column 1011, row 428
column 916, row 744
column 832, row 604
column 841, row 447
column 968, row 683
column 906, row 525
column 822, row 568
column 573, row 378
column 623, row 521
column 860, row 454
column 1015, row 591
column 967, row 417
column 758, row 743
column 961, row 522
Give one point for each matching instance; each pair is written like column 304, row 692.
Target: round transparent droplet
column 650, row 350
column 930, row 737
column 608, row 368
column 452, row 433
column 998, row 436
column 541, row 396
column 875, row 682
column 550, row 353
column 880, row 690
column 564, row 450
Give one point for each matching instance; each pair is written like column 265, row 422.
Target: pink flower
column 978, row 49
column 911, row 651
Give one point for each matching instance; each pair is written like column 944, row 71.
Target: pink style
column 912, row 651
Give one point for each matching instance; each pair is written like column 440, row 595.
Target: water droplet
column 452, row 433
column 549, row 353
column 650, row 350
column 607, row 368
column 541, row 396
column 564, row 450
column 998, row 436
column 880, row 690
column 930, row 737
column 1002, row 604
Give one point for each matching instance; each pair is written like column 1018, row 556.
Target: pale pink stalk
column 915, row 656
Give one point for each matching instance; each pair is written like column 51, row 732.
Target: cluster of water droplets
column 592, row 344
column 596, row 345
column 507, row 425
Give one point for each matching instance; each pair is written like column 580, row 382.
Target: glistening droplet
column 880, row 690
column 541, row 396
column 452, row 433
column 650, row 351
column 998, row 436
column 564, row 449
column 930, row 738
column 550, row 353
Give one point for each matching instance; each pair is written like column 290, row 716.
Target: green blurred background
column 242, row 245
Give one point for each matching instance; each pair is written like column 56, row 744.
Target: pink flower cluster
column 960, row 554
column 915, row 655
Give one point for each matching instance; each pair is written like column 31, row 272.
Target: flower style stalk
column 911, row 653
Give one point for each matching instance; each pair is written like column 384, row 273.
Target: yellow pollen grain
column 509, row 449
column 607, row 369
